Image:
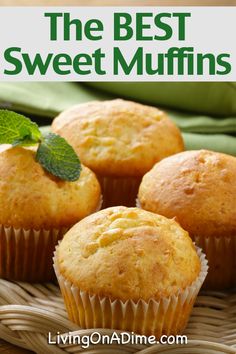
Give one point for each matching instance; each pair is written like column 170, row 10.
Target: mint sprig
column 53, row 153
column 58, row 157
column 16, row 129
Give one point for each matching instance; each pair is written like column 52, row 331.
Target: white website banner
column 118, row 43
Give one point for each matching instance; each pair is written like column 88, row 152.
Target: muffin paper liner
column 221, row 255
column 119, row 191
column 138, row 205
column 166, row 316
column 27, row 255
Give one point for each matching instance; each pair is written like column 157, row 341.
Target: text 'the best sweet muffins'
column 120, row 141
column 199, row 189
column 129, row 269
column 36, row 208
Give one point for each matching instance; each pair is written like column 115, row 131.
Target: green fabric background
column 199, row 131
column 214, row 98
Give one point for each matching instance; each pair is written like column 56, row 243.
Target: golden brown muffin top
column 118, row 137
column 32, row 198
column 128, row 253
column 196, row 187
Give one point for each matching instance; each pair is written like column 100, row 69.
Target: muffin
column 36, row 208
column 120, row 141
column 198, row 188
column 129, row 269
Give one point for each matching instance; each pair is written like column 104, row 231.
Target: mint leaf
column 53, row 153
column 26, row 138
column 58, row 157
column 16, row 129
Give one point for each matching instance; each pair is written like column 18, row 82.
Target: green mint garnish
column 16, row 129
column 53, row 153
column 58, row 157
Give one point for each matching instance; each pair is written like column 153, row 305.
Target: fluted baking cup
column 26, row 255
column 221, row 255
column 138, row 205
column 119, row 190
column 166, row 316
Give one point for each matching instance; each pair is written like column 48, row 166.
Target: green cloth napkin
column 45, row 98
column 48, row 99
column 214, row 98
column 216, row 142
column 203, row 124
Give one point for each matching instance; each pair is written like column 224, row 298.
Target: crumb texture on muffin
column 119, row 137
column 196, row 187
column 32, row 198
column 128, row 253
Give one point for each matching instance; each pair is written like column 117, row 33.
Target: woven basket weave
column 28, row 312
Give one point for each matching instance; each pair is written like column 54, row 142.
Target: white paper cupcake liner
column 167, row 316
column 26, row 255
column 119, row 191
column 221, row 255
column 138, row 205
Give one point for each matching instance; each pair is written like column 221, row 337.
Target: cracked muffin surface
column 30, row 197
column 198, row 188
column 128, row 253
column 119, row 137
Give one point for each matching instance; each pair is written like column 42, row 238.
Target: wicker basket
column 28, row 312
